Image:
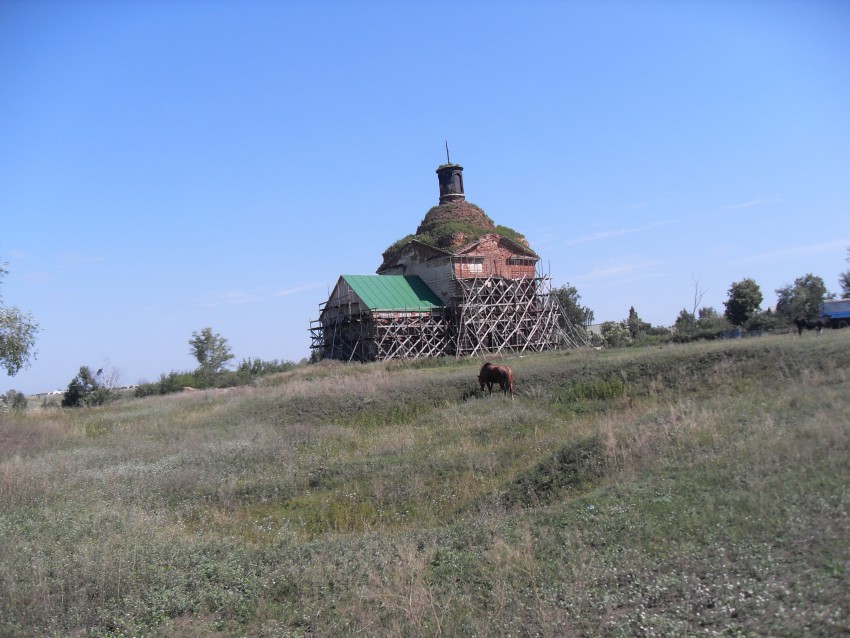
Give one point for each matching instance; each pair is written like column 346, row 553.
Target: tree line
column 742, row 312
column 213, row 354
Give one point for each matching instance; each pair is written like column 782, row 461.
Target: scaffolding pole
column 497, row 314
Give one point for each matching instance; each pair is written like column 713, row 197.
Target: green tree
column 685, row 323
column 13, row 400
column 575, row 314
column 630, row 331
column 711, row 320
column 802, row 299
column 211, row 351
column 85, row 389
column 744, row 300
column 17, row 335
column 636, row 325
column 766, row 320
column 706, row 323
column 844, row 280
column 615, row 334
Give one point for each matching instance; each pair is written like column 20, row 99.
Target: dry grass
column 693, row 490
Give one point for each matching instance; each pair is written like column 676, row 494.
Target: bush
column 710, row 325
column 85, row 389
column 616, row 335
column 632, row 331
column 258, row 367
column 13, row 400
column 246, row 372
column 699, row 334
column 769, row 321
column 168, row 384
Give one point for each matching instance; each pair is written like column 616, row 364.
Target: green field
column 693, row 490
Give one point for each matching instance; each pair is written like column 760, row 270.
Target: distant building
column 459, row 286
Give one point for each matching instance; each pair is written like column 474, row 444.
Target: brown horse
column 502, row 375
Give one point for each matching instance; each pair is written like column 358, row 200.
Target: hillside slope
column 685, row 490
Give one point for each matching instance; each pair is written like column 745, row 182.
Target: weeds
column 688, row 490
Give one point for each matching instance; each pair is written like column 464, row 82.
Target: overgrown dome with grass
column 454, row 222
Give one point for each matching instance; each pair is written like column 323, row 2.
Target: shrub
column 85, row 389
column 13, row 400
column 167, row 384
column 769, row 321
column 616, row 334
column 246, row 372
column 258, row 367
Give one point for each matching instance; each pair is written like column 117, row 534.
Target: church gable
column 404, row 259
column 493, row 243
column 493, row 254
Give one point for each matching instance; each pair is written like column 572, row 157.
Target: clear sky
column 167, row 166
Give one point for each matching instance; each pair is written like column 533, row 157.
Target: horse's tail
column 511, row 382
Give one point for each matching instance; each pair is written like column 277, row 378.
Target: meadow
column 685, row 490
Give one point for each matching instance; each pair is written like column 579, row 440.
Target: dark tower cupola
column 450, row 177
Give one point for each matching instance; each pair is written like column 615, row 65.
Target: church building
column 460, row 285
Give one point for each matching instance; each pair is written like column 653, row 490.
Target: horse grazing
column 818, row 324
column 502, row 375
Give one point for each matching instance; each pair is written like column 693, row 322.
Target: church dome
column 454, row 223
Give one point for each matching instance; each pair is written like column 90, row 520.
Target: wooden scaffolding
column 496, row 314
column 375, row 335
column 492, row 315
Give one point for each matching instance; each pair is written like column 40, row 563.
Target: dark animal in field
column 502, row 375
column 817, row 324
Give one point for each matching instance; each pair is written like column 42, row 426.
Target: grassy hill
column 693, row 490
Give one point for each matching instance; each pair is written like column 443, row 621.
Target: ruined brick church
column 459, row 286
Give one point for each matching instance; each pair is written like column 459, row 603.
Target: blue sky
column 167, row 166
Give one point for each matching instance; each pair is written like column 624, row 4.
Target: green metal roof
column 393, row 292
